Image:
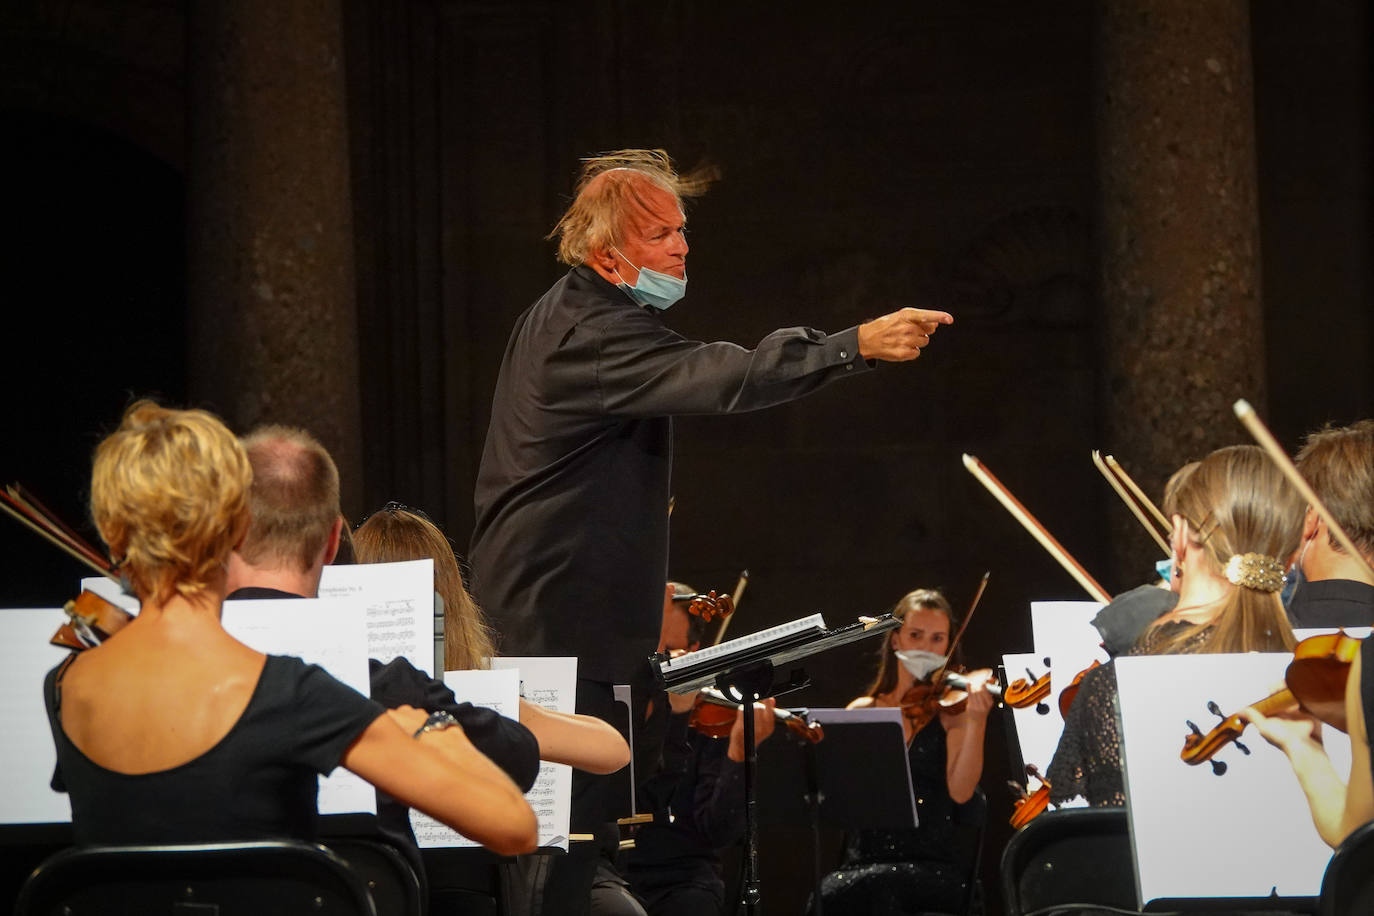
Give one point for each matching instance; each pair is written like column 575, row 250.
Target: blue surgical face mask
column 652, row 289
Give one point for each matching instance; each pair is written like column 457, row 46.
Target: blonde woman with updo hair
column 173, row 731
column 1236, row 521
column 395, row 533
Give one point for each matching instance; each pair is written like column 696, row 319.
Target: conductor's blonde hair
column 169, row 495
column 610, row 189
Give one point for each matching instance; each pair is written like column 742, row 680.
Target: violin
column 714, row 716
column 709, row 606
column 1068, row 693
column 1030, row 805
column 1314, row 682
column 91, row 620
column 924, row 700
column 1029, row 690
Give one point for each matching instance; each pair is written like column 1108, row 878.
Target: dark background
column 876, row 155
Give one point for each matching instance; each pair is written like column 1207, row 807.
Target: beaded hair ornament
column 1255, row 570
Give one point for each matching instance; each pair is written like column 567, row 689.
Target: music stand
column 744, row 670
column 857, row 778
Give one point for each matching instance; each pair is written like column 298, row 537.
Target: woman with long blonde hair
column 1236, row 521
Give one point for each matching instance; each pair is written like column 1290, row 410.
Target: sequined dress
column 904, row 871
column 1088, row 759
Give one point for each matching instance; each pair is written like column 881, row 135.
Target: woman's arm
column 443, row 775
column 964, row 741
column 1337, row 809
column 584, row 742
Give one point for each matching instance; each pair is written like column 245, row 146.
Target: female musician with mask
column 173, row 731
column 914, row 870
column 1236, row 520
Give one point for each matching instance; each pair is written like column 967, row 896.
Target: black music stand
column 858, row 777
column 748, row 675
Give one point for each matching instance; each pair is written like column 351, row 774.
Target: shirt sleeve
column 508, row 744
column 645, row 369
column 328, row 717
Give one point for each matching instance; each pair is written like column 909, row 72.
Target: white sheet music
column 400, row 607
column 710, row 653
column 27, row 756
column 329, row 632
column 497, row 690
column 552, row 683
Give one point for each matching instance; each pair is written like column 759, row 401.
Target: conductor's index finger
column 927, row 316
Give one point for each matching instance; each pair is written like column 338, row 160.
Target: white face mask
column 919, row 662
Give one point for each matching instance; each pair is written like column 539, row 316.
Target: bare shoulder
column 861, row 703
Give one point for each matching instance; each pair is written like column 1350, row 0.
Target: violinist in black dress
column 913, row 871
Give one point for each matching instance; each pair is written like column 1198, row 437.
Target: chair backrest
column 1348, row 885
column 391, row 880
column 1070, row 856
column 213, row 879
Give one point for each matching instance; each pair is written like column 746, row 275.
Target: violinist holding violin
column 696, row 789
column 915, row 870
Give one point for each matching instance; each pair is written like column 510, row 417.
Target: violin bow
column 1139, row 494
column 1035, row 529
column 734, row 602
column 1127, row 497
column 35, row 516
column 1246, row 414
column 973, row 606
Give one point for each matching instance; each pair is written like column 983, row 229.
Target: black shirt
column 1331, row 603
column 572, row 493
column 258, row 781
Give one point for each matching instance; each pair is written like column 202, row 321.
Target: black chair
column 22, row 848
column 390, row 878
column 267, row 878
column 1075, row 858
column 1348, row 885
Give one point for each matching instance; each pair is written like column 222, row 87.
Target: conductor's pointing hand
column 900, row 336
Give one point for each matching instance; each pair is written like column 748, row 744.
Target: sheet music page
column 1038, row 735
column 1197, row 834
column 498, row 690
column 329, row 632
column 109, row 589
column 1063, row 630
column 400, row 607
column 552, row 683
column 27, row 755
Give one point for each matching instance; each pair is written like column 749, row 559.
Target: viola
column 1313, row 682
column 1030, row 805
column 714, row 716
column 91, row 620
column 1029, row 690
column 1068, row 693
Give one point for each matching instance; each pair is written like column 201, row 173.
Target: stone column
column 272, row 324
column 1178, row 240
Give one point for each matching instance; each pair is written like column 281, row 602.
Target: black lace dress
column 1088, row 759
column 891, row 872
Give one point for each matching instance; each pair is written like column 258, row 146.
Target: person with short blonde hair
column 146, row 474
column 172, row 730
